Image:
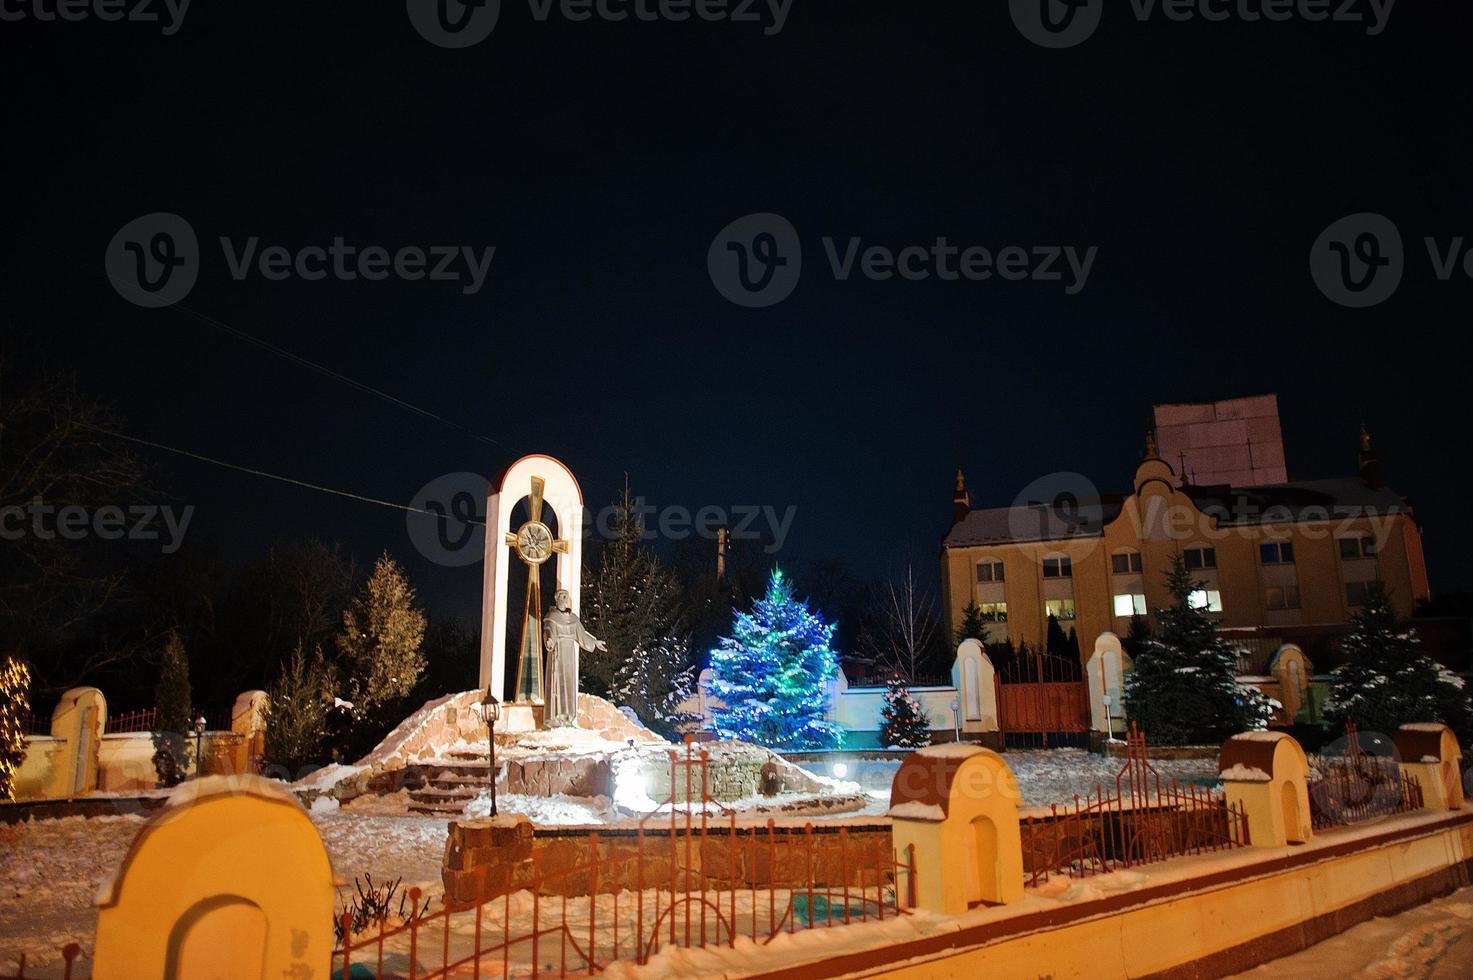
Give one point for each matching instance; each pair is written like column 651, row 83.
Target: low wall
column 43, row 769
column 125, row 761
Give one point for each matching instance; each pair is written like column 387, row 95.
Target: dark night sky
column 601, row 159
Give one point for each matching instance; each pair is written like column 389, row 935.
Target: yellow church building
column 1274, row 558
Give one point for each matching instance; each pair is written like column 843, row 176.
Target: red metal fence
column 143, row 719
column 1142, row 820
column 1042, row 701
column 1358, row 787
column 694, row 882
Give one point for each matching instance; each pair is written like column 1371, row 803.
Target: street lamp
column 199, row 734
column 491, row 711
column 956, row 717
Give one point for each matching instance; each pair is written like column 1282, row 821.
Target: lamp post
column 491, row 711
column 199, row 734
column 956, row 717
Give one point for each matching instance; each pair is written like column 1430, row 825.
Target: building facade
column 1275, row 556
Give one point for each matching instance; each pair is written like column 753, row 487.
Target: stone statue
column 563, row 636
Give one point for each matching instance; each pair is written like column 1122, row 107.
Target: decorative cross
column 534, row 545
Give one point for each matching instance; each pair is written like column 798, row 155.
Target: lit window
column 1353, row 548
column 1198, row 558
column 1060, row 609
column 1356, row 593
column 1207, row 600
column 1277, row 553
column 1126, row 563
column 1281, row 597
column 989, row 571
column 1058, row 568
column 994, row 612
column 1130, row 604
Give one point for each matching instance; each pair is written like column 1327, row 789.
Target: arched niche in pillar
column 563, row 496
column 975, row 681
column 1105, row 670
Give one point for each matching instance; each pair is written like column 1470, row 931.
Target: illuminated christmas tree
column 15, row 689
column 772, row 674
column 903, row 721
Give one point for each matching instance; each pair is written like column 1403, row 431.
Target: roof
column 1282, row 503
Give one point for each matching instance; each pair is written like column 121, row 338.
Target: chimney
column 961, row 501
column 1370, row 466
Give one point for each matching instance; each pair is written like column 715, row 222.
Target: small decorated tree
column 772, row 674
column 15, row 705
column 903, row 723
column 171, row 721
column 1184, row 686
column 1386, row 680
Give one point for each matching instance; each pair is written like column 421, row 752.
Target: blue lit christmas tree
column 772, row 674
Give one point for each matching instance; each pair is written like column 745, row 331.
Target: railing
column 689, row 885
column 1041, row 668
column 1144, row 820
column 69, row 954
column 142, row 720
column 918, row 680
column 1358, row 787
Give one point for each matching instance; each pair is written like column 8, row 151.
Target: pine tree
column 297, row 713
column 1183, row 687
column 972, row 626
column 1056, row 641
column 903, row 723
column 380, row 643
column 772, row 674
column 15, row 706
column 637, row 607
column 171, row 723
column 1386, row 681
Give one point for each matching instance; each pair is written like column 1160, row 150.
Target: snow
column 915, row 810
column 194, row 790
column 1259, row 737
column 951, row 750
column 1245, row 774
column 328, row 776
column 1424, row 726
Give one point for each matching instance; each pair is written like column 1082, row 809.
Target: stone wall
column 486, row 858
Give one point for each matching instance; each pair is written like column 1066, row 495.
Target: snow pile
column 1245, row 774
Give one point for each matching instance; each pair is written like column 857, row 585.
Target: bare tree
column 903, row 632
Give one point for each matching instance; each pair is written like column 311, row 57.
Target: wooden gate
column 1043, row 701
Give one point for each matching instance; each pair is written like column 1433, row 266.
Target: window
column 1058, row 568
column 994, row 612
column 1281, row 597
column 1356, row 593
column 1060, row 609
column 1353, row 548
column 1207, row 600
column 1126, row 563
column 1277, row 553
column 1198, row 558
column 989, row 571
column 1130, row 604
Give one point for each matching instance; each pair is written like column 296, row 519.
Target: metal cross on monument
column 534, row 544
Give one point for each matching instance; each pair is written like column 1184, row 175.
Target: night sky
column 600, row 159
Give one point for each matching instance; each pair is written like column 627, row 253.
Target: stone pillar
column 957, row 806
column 248, row 720
column 975, row 680
column 1266, row 774
column 1430, row 753
column 1292, row 669
column 80, row 717
column 1105, row 672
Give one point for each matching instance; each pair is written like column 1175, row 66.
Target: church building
column 1274, row 557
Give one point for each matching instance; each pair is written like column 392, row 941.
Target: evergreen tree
column 381, row 641
column 1140, row 631
column 637, row 607
column 297, row 713
column 1184, row 688
column 171, row 722
column 903, row 723
column 772, row 674
column 1056, row 641
column 1386, row 681
column 972, row 626
column 15, row 707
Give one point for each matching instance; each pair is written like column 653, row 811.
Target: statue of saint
column 563, row 636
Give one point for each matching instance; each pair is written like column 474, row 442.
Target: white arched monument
column 559, row 492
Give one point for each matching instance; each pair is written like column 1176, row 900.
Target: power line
column 284, row 479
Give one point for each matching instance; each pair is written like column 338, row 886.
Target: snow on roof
column 1424, row 726
column 1245, row 774
column 241, row 784
column 916, row 810
column 1260, row 736
column 951, row 750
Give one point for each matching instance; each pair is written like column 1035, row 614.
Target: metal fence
column 69, row 954
column 691, row 882
column 1358, row 787
column 1142, row 819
